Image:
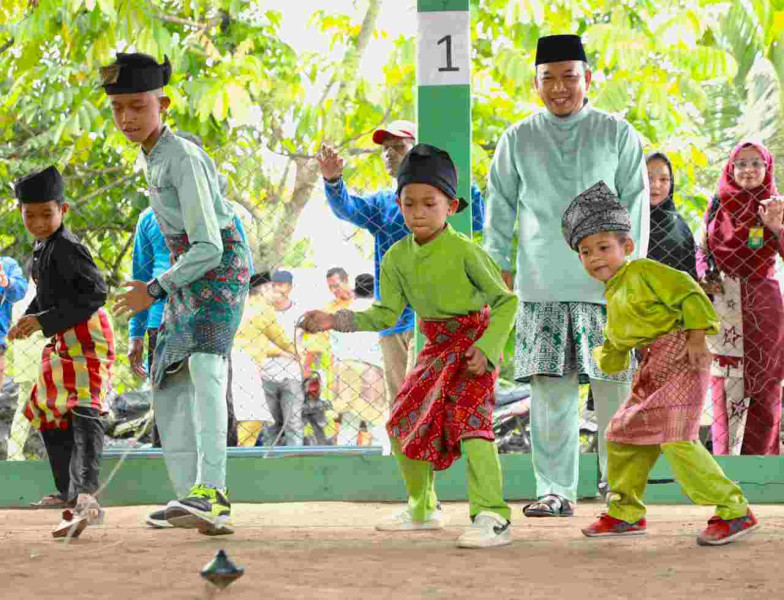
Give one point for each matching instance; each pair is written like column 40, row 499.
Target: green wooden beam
column 357, row 478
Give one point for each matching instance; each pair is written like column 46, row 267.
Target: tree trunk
column 307, row 170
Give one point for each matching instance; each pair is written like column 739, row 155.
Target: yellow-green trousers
column 485, row 482
column 700, row 476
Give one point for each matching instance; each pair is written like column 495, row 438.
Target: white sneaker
column 403, row 522
column 487, row 530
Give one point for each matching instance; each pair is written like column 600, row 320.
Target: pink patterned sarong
column 667, row 398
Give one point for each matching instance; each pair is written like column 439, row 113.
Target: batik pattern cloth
column 556, row 338
column 203, row 316
column 667, row 397
column 440, row 403
column 76, row 366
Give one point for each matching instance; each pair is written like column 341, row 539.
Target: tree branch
column 106, row 188
column 7, row 45
column 188, row 23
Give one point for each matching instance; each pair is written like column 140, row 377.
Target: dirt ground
column 330, row 550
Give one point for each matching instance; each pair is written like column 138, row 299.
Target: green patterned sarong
column 556, row 338
column 203, row 316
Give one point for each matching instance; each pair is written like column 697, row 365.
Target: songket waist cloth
column 76, row 366
column 667, row 397
column 203, row 316
column 440, row 403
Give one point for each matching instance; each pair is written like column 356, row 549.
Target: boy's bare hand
column 135, row 300
column 24, row 328
column 136, row 355
column 476, row 361
column 696, row 350
column 315, row 321
column 3, row 278
column 330, row 162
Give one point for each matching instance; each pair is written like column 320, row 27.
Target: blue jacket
column 14, row 292
column 150, row 259
column 380, row 215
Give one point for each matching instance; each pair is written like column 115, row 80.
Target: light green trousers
column 485, row 482
column 191, row 414
column 700, row 476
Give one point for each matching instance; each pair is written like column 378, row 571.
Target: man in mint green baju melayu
column 539, row 165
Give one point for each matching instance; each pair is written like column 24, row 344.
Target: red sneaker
column 720, row 531
column 607, row 526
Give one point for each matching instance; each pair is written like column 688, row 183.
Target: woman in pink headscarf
column 736, row 263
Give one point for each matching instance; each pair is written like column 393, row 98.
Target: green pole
column 444, row 92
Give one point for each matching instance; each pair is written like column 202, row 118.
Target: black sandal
column 551, row 505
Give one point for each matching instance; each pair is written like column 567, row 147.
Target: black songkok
column 559, row 48
column 430, row 165
column 596, row 210
column 134, row 73
column 43, row 186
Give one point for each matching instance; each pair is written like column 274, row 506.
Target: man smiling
column 539, row 165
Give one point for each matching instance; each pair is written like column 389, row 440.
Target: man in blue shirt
column 13, row 287
column 379, row 214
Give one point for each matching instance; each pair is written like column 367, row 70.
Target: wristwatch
column 155, row 290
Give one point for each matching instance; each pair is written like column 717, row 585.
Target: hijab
column 671, row 241
column 728, row 231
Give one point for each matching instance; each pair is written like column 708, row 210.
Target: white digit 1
column 449, row 66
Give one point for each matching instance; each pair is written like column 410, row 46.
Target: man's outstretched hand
column 330, row 162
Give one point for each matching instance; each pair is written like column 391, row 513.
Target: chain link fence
column 291, row 389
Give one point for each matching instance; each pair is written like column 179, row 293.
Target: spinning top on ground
column 221, row 570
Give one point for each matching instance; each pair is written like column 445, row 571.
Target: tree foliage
column 693, row 76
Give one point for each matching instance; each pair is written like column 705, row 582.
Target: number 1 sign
column 444, row 45
column 444, row 92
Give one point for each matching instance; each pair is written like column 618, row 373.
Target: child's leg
column 59, row 447
column 703, row 480
column 627, row 474
column 209, row 374
column 173, row 405
column 420, row 481
column 485, row 480
column 86, row 461
column 608, row 397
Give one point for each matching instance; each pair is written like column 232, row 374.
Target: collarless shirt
column 447, row 277
column 186, row 197
column 539, row 166
column 69, row 286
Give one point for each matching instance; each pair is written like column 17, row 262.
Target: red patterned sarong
column 667, row 398
column 440, row 403
column 75, row 369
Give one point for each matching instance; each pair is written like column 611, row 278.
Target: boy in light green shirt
column 466, row 312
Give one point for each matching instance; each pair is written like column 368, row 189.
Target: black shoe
column 157, row 520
